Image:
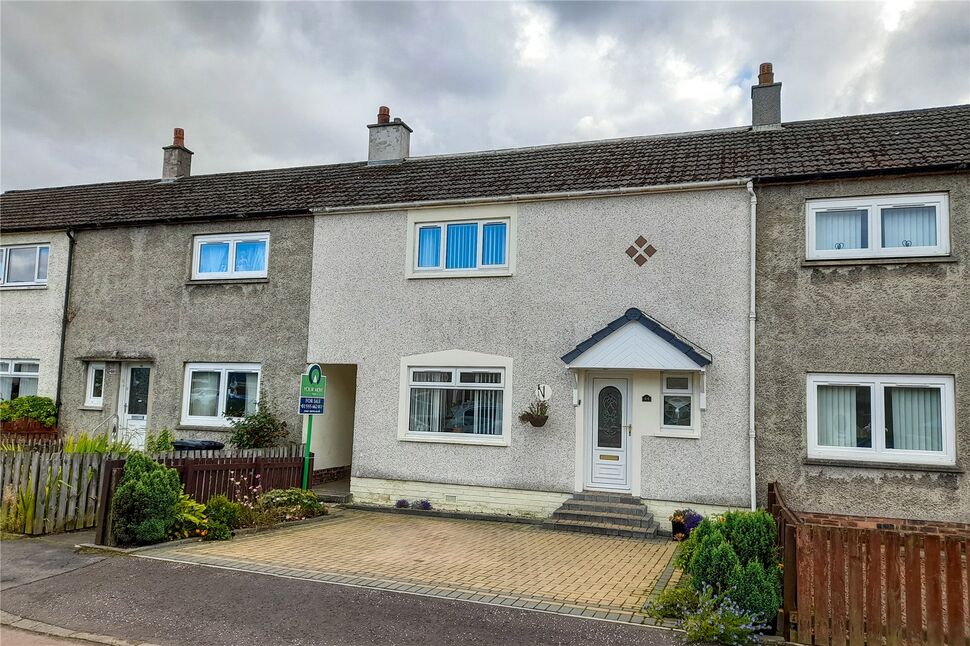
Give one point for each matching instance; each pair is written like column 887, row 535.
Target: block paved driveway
column 501, row 563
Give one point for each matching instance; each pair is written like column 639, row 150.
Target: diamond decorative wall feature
column 640, row 251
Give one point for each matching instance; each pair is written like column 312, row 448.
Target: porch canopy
column 637, row 342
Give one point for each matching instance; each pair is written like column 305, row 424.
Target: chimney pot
column 176, row 159
column 388, row 141
column 383, row 114
column 766, row 75
column 179, row 138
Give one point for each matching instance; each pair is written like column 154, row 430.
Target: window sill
column 228, row 281
column 15, row 288
column 91, row 408
column 898, row 466
column 209, row 429
column 689, row 435
column 849, row 262
column 454, row 440
column 459, row 274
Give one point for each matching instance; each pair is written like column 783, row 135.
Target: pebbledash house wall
column 858, row 317
column 572, row 277
column 31, row 318
column 132, row 297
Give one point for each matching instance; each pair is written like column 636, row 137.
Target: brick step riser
column 619, row 531
column 620, row 521
column 586, row 506
column 607, row 497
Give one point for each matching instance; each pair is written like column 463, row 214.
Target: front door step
column 606, row 514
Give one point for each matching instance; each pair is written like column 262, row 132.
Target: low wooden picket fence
column 45, row 491
column 203, row 478
column 850, row 585
column 49, row 492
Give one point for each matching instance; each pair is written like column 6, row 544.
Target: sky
column 90, row 91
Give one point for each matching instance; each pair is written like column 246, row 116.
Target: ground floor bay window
column 216, row 392
column 881, row 418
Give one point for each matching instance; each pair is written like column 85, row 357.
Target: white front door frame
column 599, row 471
column 133, row 424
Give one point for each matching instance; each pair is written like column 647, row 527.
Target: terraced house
column 615, row 282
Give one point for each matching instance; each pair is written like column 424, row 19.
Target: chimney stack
column 766, row 100
column 177, row 159
column 389, row 141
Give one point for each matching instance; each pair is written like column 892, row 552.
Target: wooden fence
column 872, row 586
column 46, row 491
column 203, row 478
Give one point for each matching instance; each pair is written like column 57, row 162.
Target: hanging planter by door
column 536, row 414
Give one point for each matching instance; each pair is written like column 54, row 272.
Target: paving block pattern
column 488, row 562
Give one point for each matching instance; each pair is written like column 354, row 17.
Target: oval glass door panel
column 609, row 422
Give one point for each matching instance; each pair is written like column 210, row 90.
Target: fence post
column 789, row 571
column 107, row 490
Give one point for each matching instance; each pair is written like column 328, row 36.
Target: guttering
column 534, row 197
column 71, row 241
column 752, row 317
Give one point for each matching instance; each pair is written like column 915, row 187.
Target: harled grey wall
column 911, row 318
column 572, row 278
column 131, row 297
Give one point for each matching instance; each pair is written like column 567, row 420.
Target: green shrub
column 101, row 444
column 217, row 532
column 220, row 509
column 756, row 590
column 293, row 504
column 687, row 548
column 144, row 504
column 160, row 442
column 752, row 535
column 189, row 518
column 718, row 620
column 258, row 430
column 41, row 409
column 258, row 516
column 674, row 603
column 713, row 563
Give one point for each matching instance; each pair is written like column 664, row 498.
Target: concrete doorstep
column 29, row 625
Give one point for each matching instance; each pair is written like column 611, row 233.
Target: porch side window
column 18, row 378
column 456, row 401
column 678, row 401
column 216, row 392
column 94, row 390
column 230, row 256
column 887, row 226
column 24, row 265
column 881, row 418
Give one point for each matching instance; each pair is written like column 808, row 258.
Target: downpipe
column 71, row 241
column 752, row 317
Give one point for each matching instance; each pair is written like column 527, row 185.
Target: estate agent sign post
column 313, row 390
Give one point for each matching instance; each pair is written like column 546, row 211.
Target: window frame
column 90, row 400
column 220, row 420
column 457, row 361
column 37, row 280
column 20, row 374
column 232, row 239
column 874, row 205
column 442, row 217
column 690, row 391
column 878, row 453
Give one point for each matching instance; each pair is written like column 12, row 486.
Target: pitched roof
column 934, row 138
column 696, row 355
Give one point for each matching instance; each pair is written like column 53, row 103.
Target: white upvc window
column 456, row 242
column 18, row 377
column 677, row 408
column 881, row 418
column 230, row 255
column 24, row 265
column 94, row 390
column 215, row 393
column 886, row 226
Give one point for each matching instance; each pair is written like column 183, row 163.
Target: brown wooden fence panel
column 935, row 621
column 957, row 596
column 855, row 555
column 838, row 588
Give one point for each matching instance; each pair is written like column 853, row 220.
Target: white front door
column 608, row 435
column 133, row 399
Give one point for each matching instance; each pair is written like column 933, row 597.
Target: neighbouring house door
column 608, row 438
column 135, row 386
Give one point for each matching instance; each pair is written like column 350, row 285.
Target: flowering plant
column 246, row 494
column 683, row 522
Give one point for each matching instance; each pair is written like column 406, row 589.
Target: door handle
column 629, row 430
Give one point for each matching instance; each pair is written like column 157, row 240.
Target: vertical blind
column 848, row 229
column 913, row 419
column 837, row 415
column 493, row 243
column 429, row 246
column 462, row 249
column 913, row 226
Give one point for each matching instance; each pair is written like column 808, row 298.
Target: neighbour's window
column 878, row 227
column 230, row 255
column 461, row 246
column 216, row 392
column 94, row 393
column 24, row 265
column 18, row 377
column 460, row 401
column 881, row 418
column 678, row 399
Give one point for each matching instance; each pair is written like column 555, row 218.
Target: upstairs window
column 24, row 265
column 889, row 226
column 230, row 255
column 477, row 246
column 18, row 377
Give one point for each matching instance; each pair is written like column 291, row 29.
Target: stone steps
column 604, row 529
column 632, row 520
column 603, row 513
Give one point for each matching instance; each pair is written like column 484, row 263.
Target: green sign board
column 313, row 383
column 313, row 391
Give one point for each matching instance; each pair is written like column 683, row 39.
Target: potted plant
column 536, row 414
column 683, row 522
